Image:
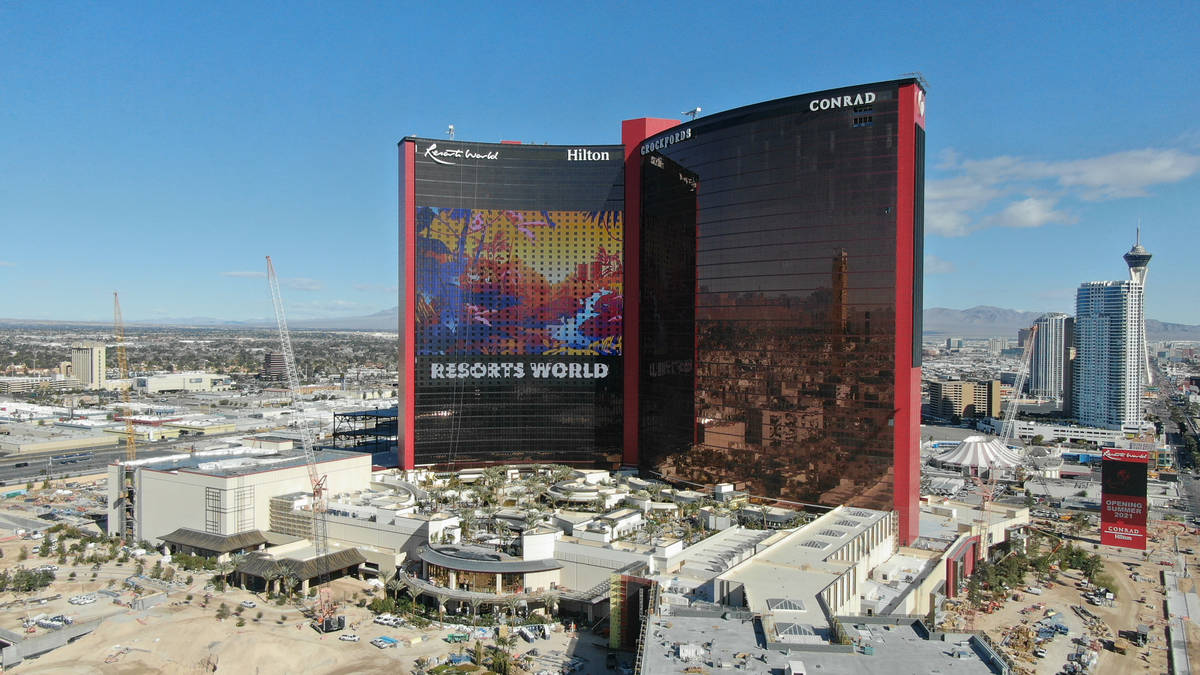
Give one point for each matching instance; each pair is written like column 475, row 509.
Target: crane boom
column 324, row 608
column 1008, row 431
column 123, row 363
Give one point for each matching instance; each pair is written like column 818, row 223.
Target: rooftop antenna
column 919, row 77
column 693, row 112
column 450, row 131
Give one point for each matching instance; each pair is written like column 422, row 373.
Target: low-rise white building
column 223, row 492
column 186, row 381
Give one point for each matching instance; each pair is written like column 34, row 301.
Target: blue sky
column 162, row 149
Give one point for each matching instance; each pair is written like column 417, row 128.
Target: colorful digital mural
column 519, row 282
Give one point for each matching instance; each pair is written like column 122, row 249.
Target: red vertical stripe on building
column 633, row 132
column 408, row 287
column 906, row 431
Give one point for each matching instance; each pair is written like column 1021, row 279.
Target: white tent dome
column 979, row 453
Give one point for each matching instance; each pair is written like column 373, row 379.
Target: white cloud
column 294, row 283
column 949, row 203
column 301, row 284
column 1029, row 212
column 376, row 288
column 936, row 265
column 322, row 308
column 1126, row 174
column 1009, row 191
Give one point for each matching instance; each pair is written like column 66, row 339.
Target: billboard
column 1123, row 498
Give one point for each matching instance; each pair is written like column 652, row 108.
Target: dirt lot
column 179, row 636
column 1126, row 614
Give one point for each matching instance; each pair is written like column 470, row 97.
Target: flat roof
column 799, row 565
column 899, row 650
column 479, row 559
column 227, row 464
column 392, row 412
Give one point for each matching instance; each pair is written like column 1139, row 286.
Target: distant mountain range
column 987, row 321
column 981, row 321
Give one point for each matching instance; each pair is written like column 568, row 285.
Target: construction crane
column 1007, row 432
column 324, row 609
column 123, row 363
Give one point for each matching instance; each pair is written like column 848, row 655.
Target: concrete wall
column 585, row 566
column 167, row 500
column 34, row 646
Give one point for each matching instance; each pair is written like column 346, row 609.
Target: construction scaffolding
column 366, row 430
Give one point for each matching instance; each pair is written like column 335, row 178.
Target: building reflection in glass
column 769, row 303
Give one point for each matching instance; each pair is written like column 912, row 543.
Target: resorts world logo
column 841, row 101
column 442, row 156
column 1122, row 455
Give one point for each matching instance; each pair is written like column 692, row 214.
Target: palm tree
column 223, row 568
column 511, row 603
column 441, row 603
column 468, row 520
column 475, row 602
column 395, row 584
column 236, row 560
column 274, row 574
column 290, row 581
column 550, row 602
column 501, row 662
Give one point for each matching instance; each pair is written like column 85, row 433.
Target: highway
column 21, row 469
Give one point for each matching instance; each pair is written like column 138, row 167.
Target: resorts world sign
column 517, row 370
column 443, row 156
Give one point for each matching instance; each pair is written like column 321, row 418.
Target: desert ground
column 1139, row 590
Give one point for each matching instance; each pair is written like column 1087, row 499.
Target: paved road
column 35, row 466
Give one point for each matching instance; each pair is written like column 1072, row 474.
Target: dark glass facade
column 770, row 293
column 733, row 299
column 517, row 302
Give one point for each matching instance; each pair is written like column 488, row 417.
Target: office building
column 88, row 364
column 1049, row 370
column 951, row 399
column 274, row 366
column 732, row 298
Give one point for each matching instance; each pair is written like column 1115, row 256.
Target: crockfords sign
column 443, row 156
column 585, row 155
column 549, row 370
column 663, row 141
column 841, row 101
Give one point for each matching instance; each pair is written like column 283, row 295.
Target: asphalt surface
column 37, row 466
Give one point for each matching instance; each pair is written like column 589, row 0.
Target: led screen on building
column 1123, row 507
column 518, row 282
column 517, row 302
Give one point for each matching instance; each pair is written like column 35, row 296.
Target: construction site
column 1058, row 619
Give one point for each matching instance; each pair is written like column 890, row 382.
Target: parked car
column 249, row 604
column 383, row 642
column 349, row 637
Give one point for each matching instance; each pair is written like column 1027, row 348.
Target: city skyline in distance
column 176, row 149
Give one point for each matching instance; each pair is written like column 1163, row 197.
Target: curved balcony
column 418, row 587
